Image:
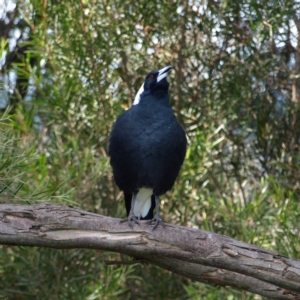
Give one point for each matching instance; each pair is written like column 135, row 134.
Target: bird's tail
column 144, row 205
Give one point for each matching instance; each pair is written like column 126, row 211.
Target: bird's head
column 155, row 82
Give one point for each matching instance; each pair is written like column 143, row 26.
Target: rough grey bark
column 196, row 254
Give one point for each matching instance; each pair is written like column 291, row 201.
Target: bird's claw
column 156, row 220
column 130, row 219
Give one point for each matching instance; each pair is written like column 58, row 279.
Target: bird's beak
column 163, row 73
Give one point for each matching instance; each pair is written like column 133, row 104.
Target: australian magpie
column 147, row 147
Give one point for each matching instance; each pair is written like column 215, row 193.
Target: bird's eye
column 151, row 77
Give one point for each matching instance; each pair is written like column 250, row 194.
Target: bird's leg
column 157, row 219
column 131, row 216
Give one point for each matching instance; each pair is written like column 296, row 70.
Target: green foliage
column 60, row 274
column 77, row 65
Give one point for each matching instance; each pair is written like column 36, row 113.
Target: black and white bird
column 147, row 148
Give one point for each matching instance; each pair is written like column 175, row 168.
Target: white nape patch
column 142, row 202
column 138, row 95
column 163, row 73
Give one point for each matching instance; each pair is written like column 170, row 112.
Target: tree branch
column 196, row 254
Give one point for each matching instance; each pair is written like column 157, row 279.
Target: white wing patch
column 142, row 202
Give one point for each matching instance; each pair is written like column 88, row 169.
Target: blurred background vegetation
column 69, row 68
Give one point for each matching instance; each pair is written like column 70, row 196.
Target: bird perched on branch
column 147, row 148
